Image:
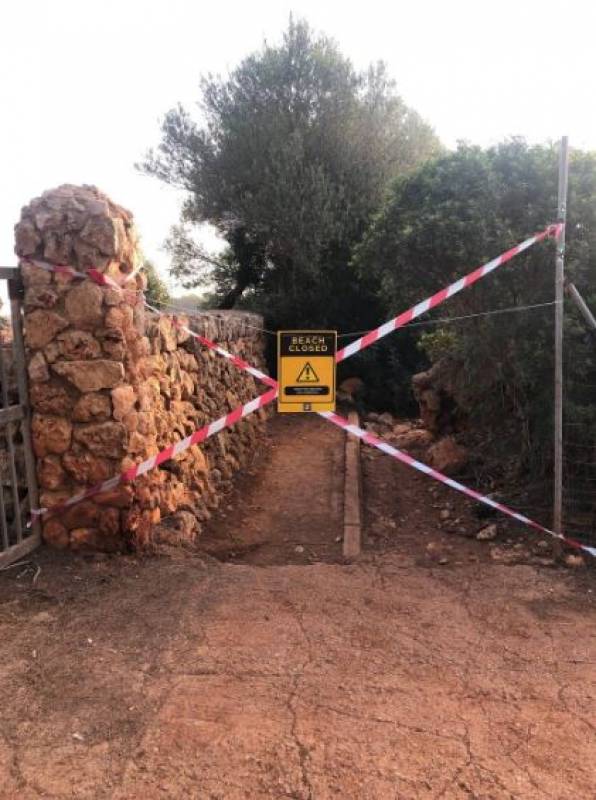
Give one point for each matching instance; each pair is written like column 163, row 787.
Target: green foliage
column 456, row 213
column 156, row 292
column 438, row 344
column 295, row 154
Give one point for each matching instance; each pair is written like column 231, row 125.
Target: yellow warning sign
column 306, row 370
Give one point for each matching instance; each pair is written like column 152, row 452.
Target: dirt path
column 397, row 678
column 288, row 510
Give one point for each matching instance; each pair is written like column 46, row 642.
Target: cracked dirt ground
column 393, row 678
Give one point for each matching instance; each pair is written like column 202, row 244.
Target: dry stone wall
column 111, row 385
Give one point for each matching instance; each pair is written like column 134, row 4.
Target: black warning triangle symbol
column 307, row 374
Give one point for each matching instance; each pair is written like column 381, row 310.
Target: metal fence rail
column 18, row 485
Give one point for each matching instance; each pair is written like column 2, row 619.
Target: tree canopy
column 294, row 153
column 455, row 213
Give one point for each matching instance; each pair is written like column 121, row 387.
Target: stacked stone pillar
column 87, row 363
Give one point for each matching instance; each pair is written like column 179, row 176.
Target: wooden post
column 352, row 543
column 559, row 297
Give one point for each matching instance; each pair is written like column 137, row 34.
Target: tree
column 456, row 213
column 157, row 292
column 295, row 154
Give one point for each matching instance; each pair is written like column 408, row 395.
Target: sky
column 83, row 84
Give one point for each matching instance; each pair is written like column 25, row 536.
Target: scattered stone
column 544, row 562
column 445, row 514
column 574, row 560
column 419, row 437
column 299, row 549
column 488, row 533
column 447, row 456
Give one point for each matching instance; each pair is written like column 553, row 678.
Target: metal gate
column 18, row 485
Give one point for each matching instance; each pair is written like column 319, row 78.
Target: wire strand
column 440, row 321
column 443, row 320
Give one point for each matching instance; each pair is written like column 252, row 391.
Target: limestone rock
column 84, row 539
column 38, row 368
column 41, row 296
column 121, row 497
column 131, row 421
column 90, row 376
column 109, row 521
column 87, row 256
column 123, row 400
column 416, row 437
column 27, row 239
column 85, row 467
column 447, row 455
column 100, row 232
column 103, row 439
column 55, row 534
column 51, row 498
column 113, row 343
column 92, row 407
column 42, row 326
column 182, row 528
column 50, row 398
column 50, row 434
column 58, row 247
column 73, row 345
column 574, row 560
column 81, row 515
column 50, row 473
column 120, row 317
column 35, row 276
column 83, row 305
column 487, row 533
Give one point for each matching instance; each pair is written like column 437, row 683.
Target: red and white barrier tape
column 242, row 411
column 238, row 362
column 94, row 274
column 178, row 447
column 393, row 451
column 173, row 450
column 369, row 438
column 436, row 299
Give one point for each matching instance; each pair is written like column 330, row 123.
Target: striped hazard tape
column 439, row 297
column 385, row 447
column 171, row 451
column 438, row 476
column 248, row 408
column 92, row 273
column 174, row 449
column 238, row 362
